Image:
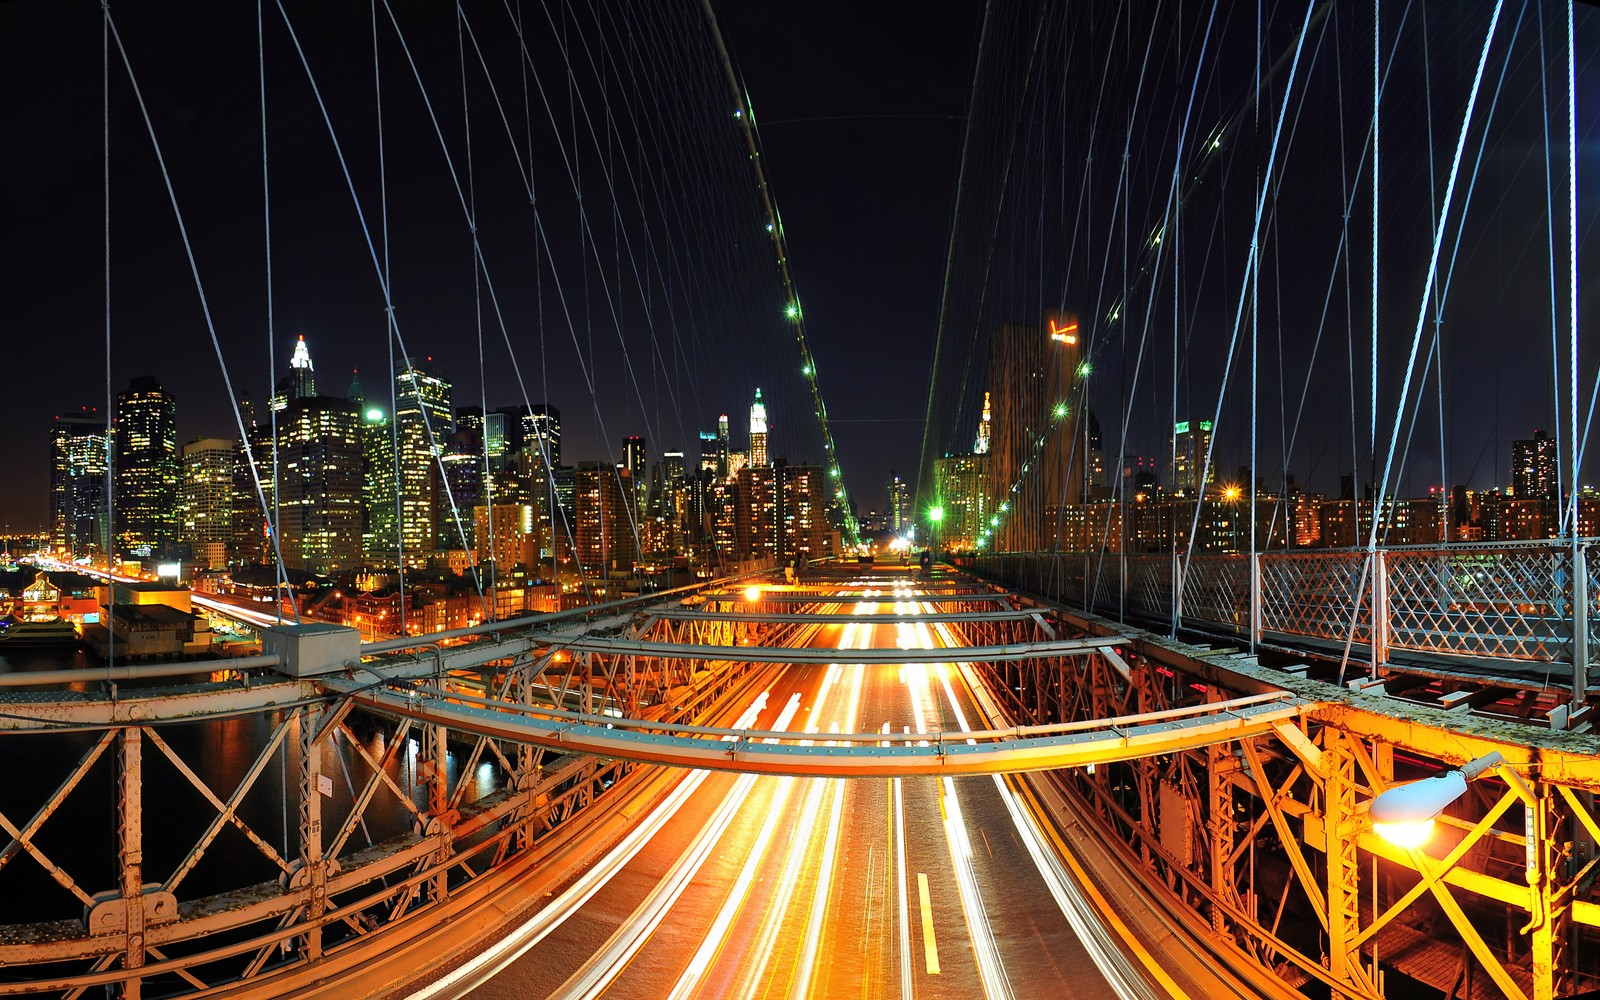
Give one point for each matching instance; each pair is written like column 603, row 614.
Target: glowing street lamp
column 1404, row 814
column 752, row 593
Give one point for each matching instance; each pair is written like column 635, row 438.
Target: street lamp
column 752, row 593
column 1404, row 814
column 935, row 516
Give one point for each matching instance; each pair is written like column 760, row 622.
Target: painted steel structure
column 1235, row 791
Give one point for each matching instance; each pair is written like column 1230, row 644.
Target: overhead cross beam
column 843, row 755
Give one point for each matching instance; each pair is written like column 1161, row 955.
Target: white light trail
column 494, row 959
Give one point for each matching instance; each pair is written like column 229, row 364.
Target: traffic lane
column 879, row 932
column 734, row 936
column 1035, row 941
column 1004, row 933
column 566, row 948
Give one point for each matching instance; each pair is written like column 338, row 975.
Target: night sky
column 669, row 304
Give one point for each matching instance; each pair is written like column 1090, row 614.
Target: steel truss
column 1262, row 844
column 402, row 825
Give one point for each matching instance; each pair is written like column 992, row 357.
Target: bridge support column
column 130, row 847
column 441, row 819
column 1380, row 611
column 527, row 767
column 313, row 870
column 1221, row 766
column 1344, row 872
column 1580, row 626
column 1255, row 601
column 1549, row 900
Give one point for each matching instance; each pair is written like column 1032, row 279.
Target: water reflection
column 80, row 835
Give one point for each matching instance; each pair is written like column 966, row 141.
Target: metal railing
column 1512, row 601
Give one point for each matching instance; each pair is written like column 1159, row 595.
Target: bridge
column 1079, row 715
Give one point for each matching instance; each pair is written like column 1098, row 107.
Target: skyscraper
column 980, row 445
column 147, row 467
column 605, row 538
column 960, row 487
column 423, row 420
column 320, row 484
column 899, row 503
column 78, row 482
column 379, row 533
column 1031, row 466
column 301, row 382
column 756, row 525
column 802, row 511
column 207, row 506
column 633, row 459
column 708, row 451
column 724, row 466
column 758, row 431
column 1094, row 457
column 546, row 432
column 1533, row 468
column 1190, row 441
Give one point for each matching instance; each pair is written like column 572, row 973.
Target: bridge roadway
column 781, row 886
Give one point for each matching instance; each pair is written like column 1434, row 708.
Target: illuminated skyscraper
column 1533, row 468
column 802, row 512
column 1031, row 465
column 78, row 483
column 320, row 484
column 604, row 531
column 724, row 465
column 544, row 433
column 514, row 538
column 423, row 420
column 207, row 506
column 379, row 535
column 301, row 382
column 980, row 446
column 634, row 460
column 960, row 484
column 756, row 526
column 147, row 467
column 758, row 432
column 899, row 503
column 708, row 452
column 1190, row 440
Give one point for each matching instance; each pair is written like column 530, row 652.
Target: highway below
column 767, row 887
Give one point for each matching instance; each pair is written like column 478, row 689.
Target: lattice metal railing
column 1216, row 591
column 1515, row 601
column 1504, row 604
column 1317, row 594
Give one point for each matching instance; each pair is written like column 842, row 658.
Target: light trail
column 1112, row 961
column 794, row 863
column 819, row 905
column 901, row 889
column 716, row 937
column 602, row 969
column 494, row 959
column 985, row 951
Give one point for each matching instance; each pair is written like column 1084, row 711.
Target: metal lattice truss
column 396, row 827
column 1263, row 841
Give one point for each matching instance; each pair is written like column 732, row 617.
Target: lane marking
column 930, row 948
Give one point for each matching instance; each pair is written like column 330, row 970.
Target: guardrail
column 1517, row 601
